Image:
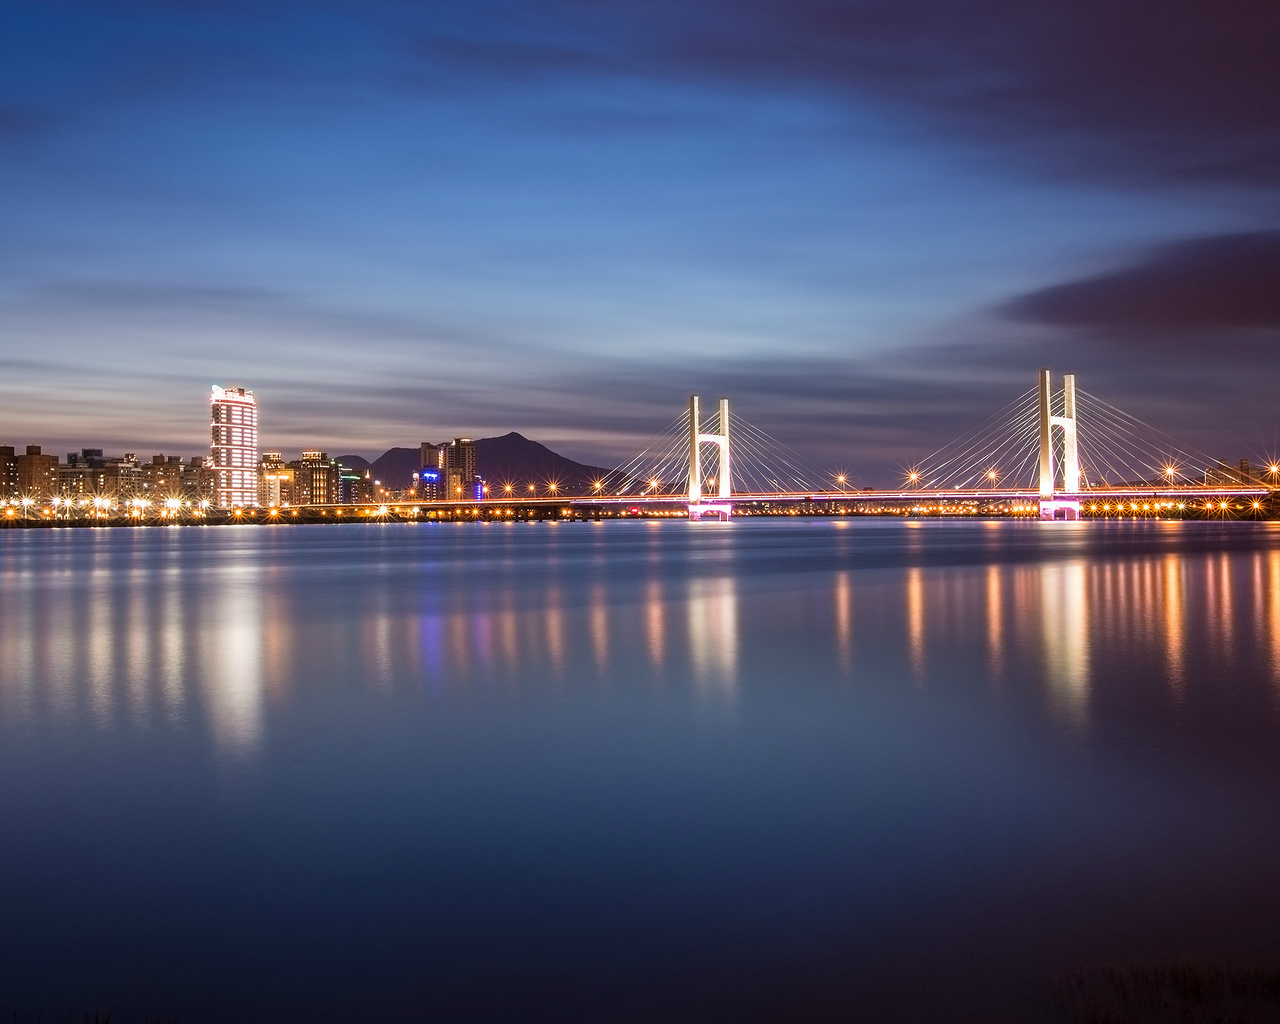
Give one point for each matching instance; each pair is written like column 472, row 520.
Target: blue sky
column 400, row 222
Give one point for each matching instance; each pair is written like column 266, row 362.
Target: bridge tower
column 720, row 507
column 1055, row 502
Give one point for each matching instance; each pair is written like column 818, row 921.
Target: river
column 774, row 769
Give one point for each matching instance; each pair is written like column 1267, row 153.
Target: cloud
column 1139, row 90
column 1216, row 284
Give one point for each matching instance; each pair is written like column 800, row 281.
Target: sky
column 868, row 223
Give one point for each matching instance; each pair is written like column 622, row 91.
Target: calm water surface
column 767, row 770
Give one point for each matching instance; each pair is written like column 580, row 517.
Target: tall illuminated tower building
column 234, row 446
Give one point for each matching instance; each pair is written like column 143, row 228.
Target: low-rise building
column 199, row 481
column 161, row 478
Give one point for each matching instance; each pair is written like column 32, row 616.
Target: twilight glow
column 867, row 222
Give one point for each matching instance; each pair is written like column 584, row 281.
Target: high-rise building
column 8, row 473
column 354, row 487
column 275, row 485
column 456, row 461
column 316, row 479
column 234, row 446
column 426, row 484
column 37, row 474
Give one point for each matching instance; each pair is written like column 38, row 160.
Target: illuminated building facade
column 199, row 481
column 456, row 461
column 233, row 449
column 354, row 487
column 37, row 474
column 8, row 473
column 83, row 475
column 316, row 479
column 275, row 485
column 426, row 484
column 162, row 478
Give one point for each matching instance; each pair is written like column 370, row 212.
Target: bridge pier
column 1059, row 502
column 1060, row 508
column 721, row 508
column 721, row 511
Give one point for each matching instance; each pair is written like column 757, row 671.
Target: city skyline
column 238, row 461
column 473, row 220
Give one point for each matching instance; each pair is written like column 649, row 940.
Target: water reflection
column 995, row 622
column 233, row 675
column 1174, row 638
column 655, row 624
column 1219, row 604
column 555, row 630
column 1065, row 631
column 844, row 620
column 599, row 614
column 1273, row 630
column 915, row 620
column 127, row 634
column 713, row 634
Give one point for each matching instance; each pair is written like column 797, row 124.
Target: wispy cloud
column 1198, row 285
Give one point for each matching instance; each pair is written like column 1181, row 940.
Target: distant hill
column 509, row 459
column 514, row 459
column 394, row 467
column 355, row 462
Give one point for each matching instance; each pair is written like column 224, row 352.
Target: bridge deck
column 984, row 495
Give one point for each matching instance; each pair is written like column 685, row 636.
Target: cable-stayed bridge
column 1052, row 452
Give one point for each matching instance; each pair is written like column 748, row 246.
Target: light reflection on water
column 713, row 635
column 231, row 676
column 778, row 737
column 127, row 637
column 1064, row 626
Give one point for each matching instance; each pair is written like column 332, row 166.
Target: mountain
column 355, row 462
column 510, row 459
column 514, row 459
column 395, row 467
